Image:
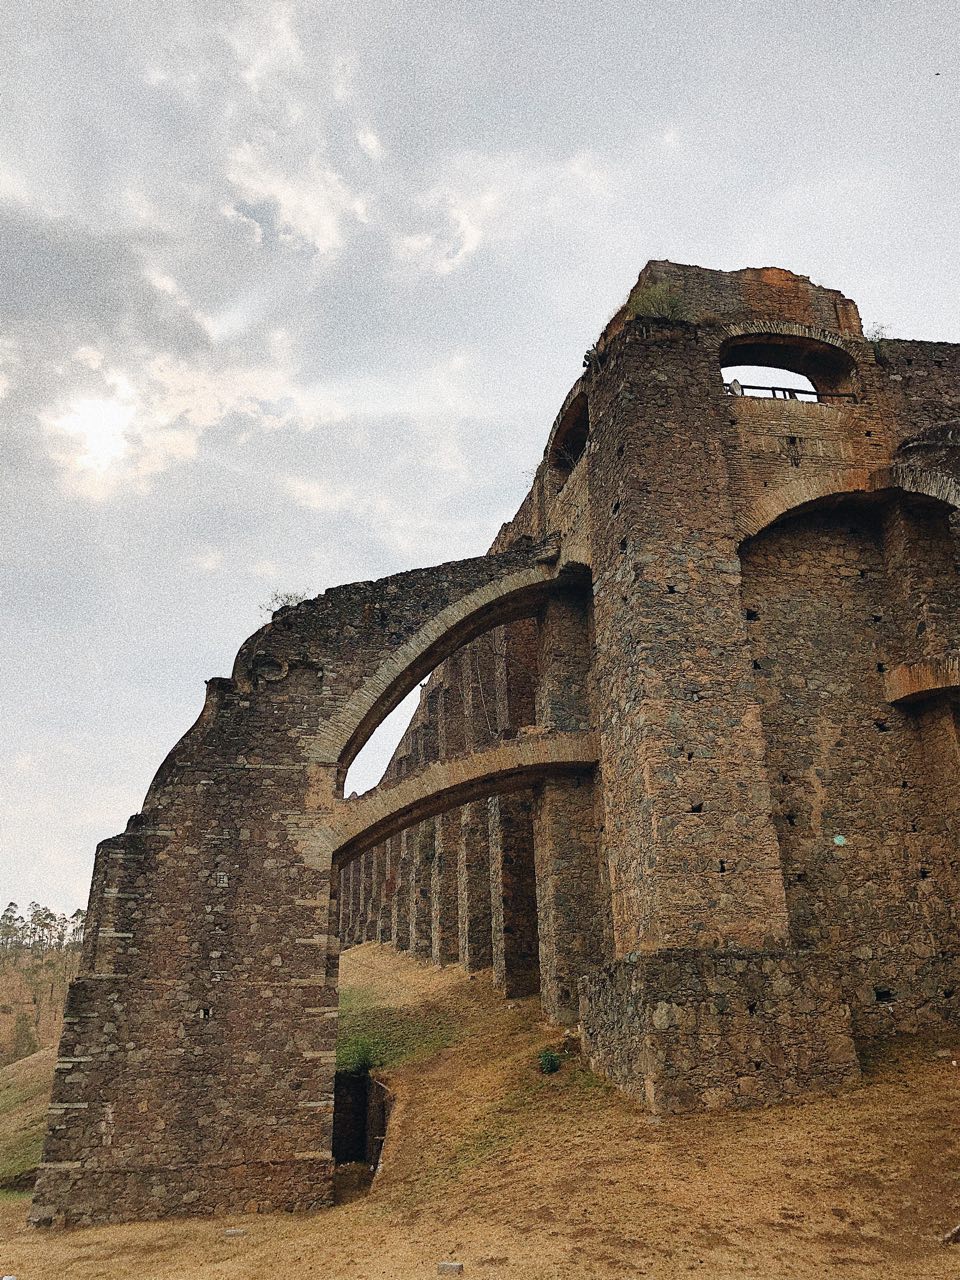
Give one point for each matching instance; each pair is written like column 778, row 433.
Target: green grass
column 372, row 1035
column 24, row 1090
column 20, row 1152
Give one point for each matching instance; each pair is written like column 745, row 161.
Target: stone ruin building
column 686, row 765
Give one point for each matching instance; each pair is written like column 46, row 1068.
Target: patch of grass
column 657, row 302
column 549, row 1061
column 373, row 1035
column 20, row 1152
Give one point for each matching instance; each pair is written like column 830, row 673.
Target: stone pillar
column 355, row 931
column 693, row 853
column 573, row 912
column 366, row 895
column 473, row 871
column 423, row 836
column 445, row 942
column 378, row 884
column 400, row 924
column 704, row 971
column 513, row 895
column 391, row 865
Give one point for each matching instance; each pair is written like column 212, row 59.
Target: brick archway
column 197, row 1061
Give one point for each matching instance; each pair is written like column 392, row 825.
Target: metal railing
column 785, row 393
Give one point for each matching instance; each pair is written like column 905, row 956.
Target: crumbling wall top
column 672, row 290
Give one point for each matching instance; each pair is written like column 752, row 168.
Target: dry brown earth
column 522, row 1175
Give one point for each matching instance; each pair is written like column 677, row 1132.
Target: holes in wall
column 949, row 993
column 752, row 1008
column 924, row 873
column 697, row 808
column 881, row 726
column 881, row 667
column 671, row 589
column 791, row 819
column 800, row 878
column 921, row 628
column 615, row 508
column 883, row 995
column 620, row 450
column 756, row 665
column 723, row 866
column 876, row 617
column 751, row 615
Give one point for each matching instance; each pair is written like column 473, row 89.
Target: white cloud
column 369, row 143
column 319, row 495
column 310, row 206
column 265, row 43
column 208, row 559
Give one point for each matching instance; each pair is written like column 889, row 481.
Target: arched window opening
column 787, row 367
column 369, row 764
column 570, row 438
column 759, row 380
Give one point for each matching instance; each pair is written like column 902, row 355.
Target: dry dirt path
column 522, row 1175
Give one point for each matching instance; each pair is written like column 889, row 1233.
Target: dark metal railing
column 785, row 393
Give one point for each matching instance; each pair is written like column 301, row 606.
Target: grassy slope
column 24, row 1094
column 520, row 1174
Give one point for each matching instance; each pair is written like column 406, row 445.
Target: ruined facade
column 686, row 764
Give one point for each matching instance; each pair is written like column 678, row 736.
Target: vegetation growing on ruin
column 656, row 302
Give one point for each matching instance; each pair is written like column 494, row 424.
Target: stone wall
column 687, row 764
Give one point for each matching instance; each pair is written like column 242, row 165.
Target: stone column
column 378, row 883
column 513, row 897
column 445, row 942
column 473, row 872
column 423, row 837
column 400, row 924
column 572, row 909
column 391, row 865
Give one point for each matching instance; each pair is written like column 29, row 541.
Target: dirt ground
column 517, row 1174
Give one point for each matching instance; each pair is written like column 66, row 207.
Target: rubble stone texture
column 685, row 762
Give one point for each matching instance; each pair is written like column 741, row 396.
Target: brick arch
column 502, row 600
column 858, row 351
column 445, row 784
column 213, row 937
column 821, row 486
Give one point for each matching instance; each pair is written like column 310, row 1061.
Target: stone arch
column 824, row 485
column 503, row 600
column 214, row 936
column 507, row 766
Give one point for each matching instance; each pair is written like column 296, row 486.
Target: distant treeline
column 39, row 932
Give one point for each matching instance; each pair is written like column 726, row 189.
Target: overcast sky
column 290, row 294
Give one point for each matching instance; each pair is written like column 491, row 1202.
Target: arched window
column 786, row 367
column 569, row 439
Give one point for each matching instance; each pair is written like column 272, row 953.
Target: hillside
column 519, row 1174
column 32, row 992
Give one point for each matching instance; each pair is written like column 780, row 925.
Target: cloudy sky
column 290, row 293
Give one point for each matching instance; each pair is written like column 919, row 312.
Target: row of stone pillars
column 512, row 882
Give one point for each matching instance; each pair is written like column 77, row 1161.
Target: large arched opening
column 835, row 595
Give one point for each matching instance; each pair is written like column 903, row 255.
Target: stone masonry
column 685, row 764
